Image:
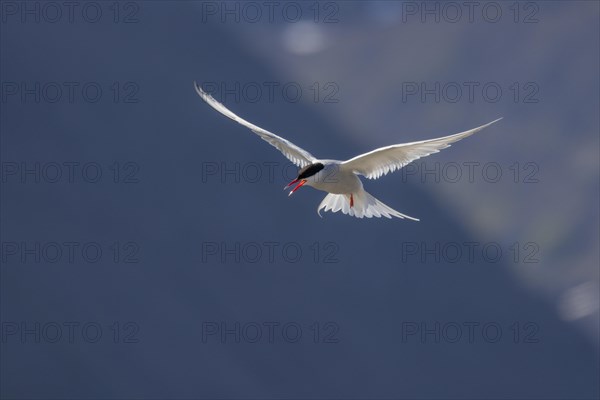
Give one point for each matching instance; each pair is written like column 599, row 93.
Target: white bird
column 340, row 178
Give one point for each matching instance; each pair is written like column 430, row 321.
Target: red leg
column 351, row 200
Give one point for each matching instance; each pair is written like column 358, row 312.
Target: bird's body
column 334, row 178
column 340, row 178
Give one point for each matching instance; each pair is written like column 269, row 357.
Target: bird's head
column 304, row 176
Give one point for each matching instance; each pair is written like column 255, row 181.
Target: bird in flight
column 340, row 178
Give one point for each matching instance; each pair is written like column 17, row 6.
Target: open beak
column 290, row 184
column 298, row 186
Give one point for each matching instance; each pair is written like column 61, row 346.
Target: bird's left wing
column 379, row 162
column 295, row 154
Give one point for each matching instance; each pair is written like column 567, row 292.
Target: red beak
column 290, row 184
column 298, row 186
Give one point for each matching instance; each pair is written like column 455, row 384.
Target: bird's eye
column 310, row 170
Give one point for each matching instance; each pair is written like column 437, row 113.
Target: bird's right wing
column 379, row 162
column 295, row 154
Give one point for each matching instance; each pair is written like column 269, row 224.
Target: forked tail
column 359, row 205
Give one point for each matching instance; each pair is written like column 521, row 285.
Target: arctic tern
column 340, row 178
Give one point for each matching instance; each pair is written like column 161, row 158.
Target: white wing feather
column 384, row 160
column 295, row 154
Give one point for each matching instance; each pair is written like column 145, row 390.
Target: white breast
column 333, row 180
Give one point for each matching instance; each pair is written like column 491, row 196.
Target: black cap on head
column 310, row 170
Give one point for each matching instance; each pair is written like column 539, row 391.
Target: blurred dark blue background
column 179, row 303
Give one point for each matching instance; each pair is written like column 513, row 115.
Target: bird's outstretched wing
column 295, row 154
column 379, row 162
